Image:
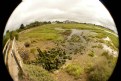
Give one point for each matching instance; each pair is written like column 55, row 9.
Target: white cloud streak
column 90, row 11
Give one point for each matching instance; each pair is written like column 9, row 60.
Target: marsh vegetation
column 67, row 52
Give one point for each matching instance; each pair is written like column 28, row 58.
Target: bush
column 10, row 35
column 32, row 50
column 27, row 44
column 24, row 55
column 5, row 38
column 106, row 54
column 74, row 70
column 91, row 54
column 99, row 72
column 67, row 32
column 52, row 59
column 75, row 38
column 98, row 46
column 14, row 34
column 37, row 73
column 69, row 57
column 111, row 60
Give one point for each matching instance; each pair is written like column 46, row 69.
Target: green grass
column 91, row 54
column 43, row 33
column 32, row 50
column 102, row 34
column 74, row 70
column 47, row 32
column 98, row 46
column 37, row 73
column 67, row 32
column 75, row 38
column 114, row 40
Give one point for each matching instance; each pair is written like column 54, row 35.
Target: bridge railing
column 11, row 48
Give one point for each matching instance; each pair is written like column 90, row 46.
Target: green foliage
column 88, row 67
column 27, row 44
column 52, row 59
column 91, row 54
column 69, row 57
column 43, row 33
column 6, row 37
column 10, row 35
column 66, row 32
column 114, row 39
column 14, row 34
column 75, row 38
column 110, row 34
column 106, row 54
column 24, row 55
column 22, row 26
column 110, row 44
column 20, row 75
column 74, row 70
column 33, row 24
column 98, row 46
column 99, row 72
column 101, row 35
column 111, row 60
column 37, row 73
column 32, row 50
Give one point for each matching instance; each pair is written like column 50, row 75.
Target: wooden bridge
column 12, row 59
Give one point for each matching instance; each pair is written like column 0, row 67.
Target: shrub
column 10, row 35
column 106, row 54
column 74, row 70
column 17, row 36
column 111, row 60
column 91, row 54
column 75, row 38
column 5, row 38
column 27, row 44
column 99, row 72
column 98, row 46
column 65, row 57
column 32, row 50
column 52, row 59
column 24, row 55
column 37, row 73
column 87, row 68
column 67, row 32
column 20, row 75
column 14, row 34
column 69, row 57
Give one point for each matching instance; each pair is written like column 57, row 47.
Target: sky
column 85, row 11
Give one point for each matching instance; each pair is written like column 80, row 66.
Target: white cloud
column 90, row 11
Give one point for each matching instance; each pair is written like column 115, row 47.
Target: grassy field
column 83, row 43
column 37, row 73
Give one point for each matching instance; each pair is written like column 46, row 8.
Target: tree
column 7, row 31
column 14, row 34
column 22, row 26
column 6, row 37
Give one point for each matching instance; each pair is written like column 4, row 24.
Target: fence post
column 5, row 47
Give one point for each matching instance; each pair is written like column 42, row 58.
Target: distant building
column 53, row 22
column 67, row 21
